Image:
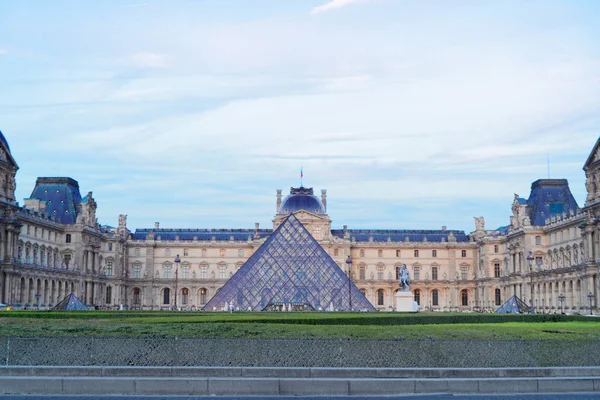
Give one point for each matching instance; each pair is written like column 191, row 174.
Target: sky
column 191, row 113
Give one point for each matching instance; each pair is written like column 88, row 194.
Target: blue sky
column 413, row 114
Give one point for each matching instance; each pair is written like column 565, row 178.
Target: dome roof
column 3, row 140
column 301, row 199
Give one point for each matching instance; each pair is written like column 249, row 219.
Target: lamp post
column 177, row 261
column 561, row 298
column 37, row 297
column 349, row 264
column 530, row 259
column 591, row 299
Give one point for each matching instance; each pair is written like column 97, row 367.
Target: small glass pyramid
column 514, row 305
column 70, row 303
column 290, row 271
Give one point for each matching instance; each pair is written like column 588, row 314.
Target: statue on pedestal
column 404, row 278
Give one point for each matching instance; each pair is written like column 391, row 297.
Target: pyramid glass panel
column 290, row 271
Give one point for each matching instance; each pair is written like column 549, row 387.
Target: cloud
column 150, row 60
column 332, row 5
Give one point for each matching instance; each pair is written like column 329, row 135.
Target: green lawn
column 301, row 325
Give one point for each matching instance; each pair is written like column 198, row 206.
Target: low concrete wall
column 297, row 352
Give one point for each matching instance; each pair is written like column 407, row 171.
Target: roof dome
column 301, row 199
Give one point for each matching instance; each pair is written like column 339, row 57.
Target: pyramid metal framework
column 514, row 305
column 290, row 270
column 70, row 303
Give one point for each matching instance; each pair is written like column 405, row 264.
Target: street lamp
column 37, row 297
column 349, row 264
column 530, row 259
column 177, row 261
column 591, row 298
column 561, row 298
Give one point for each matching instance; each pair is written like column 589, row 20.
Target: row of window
column 435, row 297
column 416, row 253
column 186, row 252
column 464, row 271
column 41, row 233
column 183, row 272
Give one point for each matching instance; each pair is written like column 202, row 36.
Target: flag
column 301, row 173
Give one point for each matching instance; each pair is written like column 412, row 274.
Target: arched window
column 108, row 294
column 380, row 297
column 464, row 296
column 136, row 296
column 417, row 296
column 416, row 253
column 167, row 296
column 185, row 294
column 498, row 297
column 435, row 297
column 203, row 293
column 463, row 254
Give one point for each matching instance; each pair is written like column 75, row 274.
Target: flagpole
column 301, row 176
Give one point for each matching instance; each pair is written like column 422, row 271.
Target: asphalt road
column 542, row 396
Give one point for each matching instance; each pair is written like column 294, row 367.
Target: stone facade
column 47, row 252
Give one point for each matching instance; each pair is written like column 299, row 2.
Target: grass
column 300, row 325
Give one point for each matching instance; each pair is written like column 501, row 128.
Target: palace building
column 548, row 255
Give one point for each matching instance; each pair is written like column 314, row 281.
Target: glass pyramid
column 514, row 305
column 70, row 303
column 290, row 271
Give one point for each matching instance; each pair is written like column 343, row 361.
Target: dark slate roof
column 550, row 197
column 382, row 235
column 201, row 234
column 62, row 197
column 301, row 199
column 4, row 141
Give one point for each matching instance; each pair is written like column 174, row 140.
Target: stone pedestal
column 404, row 302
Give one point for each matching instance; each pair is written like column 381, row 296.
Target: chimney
column 156, row 225
column 443, row 227
column 256, row 235
column 324, row 198
column 278, row 201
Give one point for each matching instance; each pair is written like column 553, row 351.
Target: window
column 317, row 233
column 379, row 253
column 109, row 268
column 167, row 271
column 137, row 271
column 417, row 273
column 203, row 271
column 416, row 253
column 222, row 252
column 362, row 272
column 495, row 248
column 67, row 259
column 417, row 296
column 380, row 272
column 203, row 296
column 380, row 297
column 464, row 296
column 362, row 253
column 68, row 238
column 167, row 252
column 222, row 271
column 464, row 273
column 241, row 253
column 138, row 252
column 363, row 292
column 109, row 246
column 434, row 273
column 539, row 261
column 397, row 253
column 185, row 294
column 434, row 253
column 108, row 294
column 463, row 254
column 185, row 254
column 185, row 272
column 498, row 297
column 203, row 252
column 496, row 270
column 435, row 298
column 167, row 296
column 136, row 296
column 538, row 240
